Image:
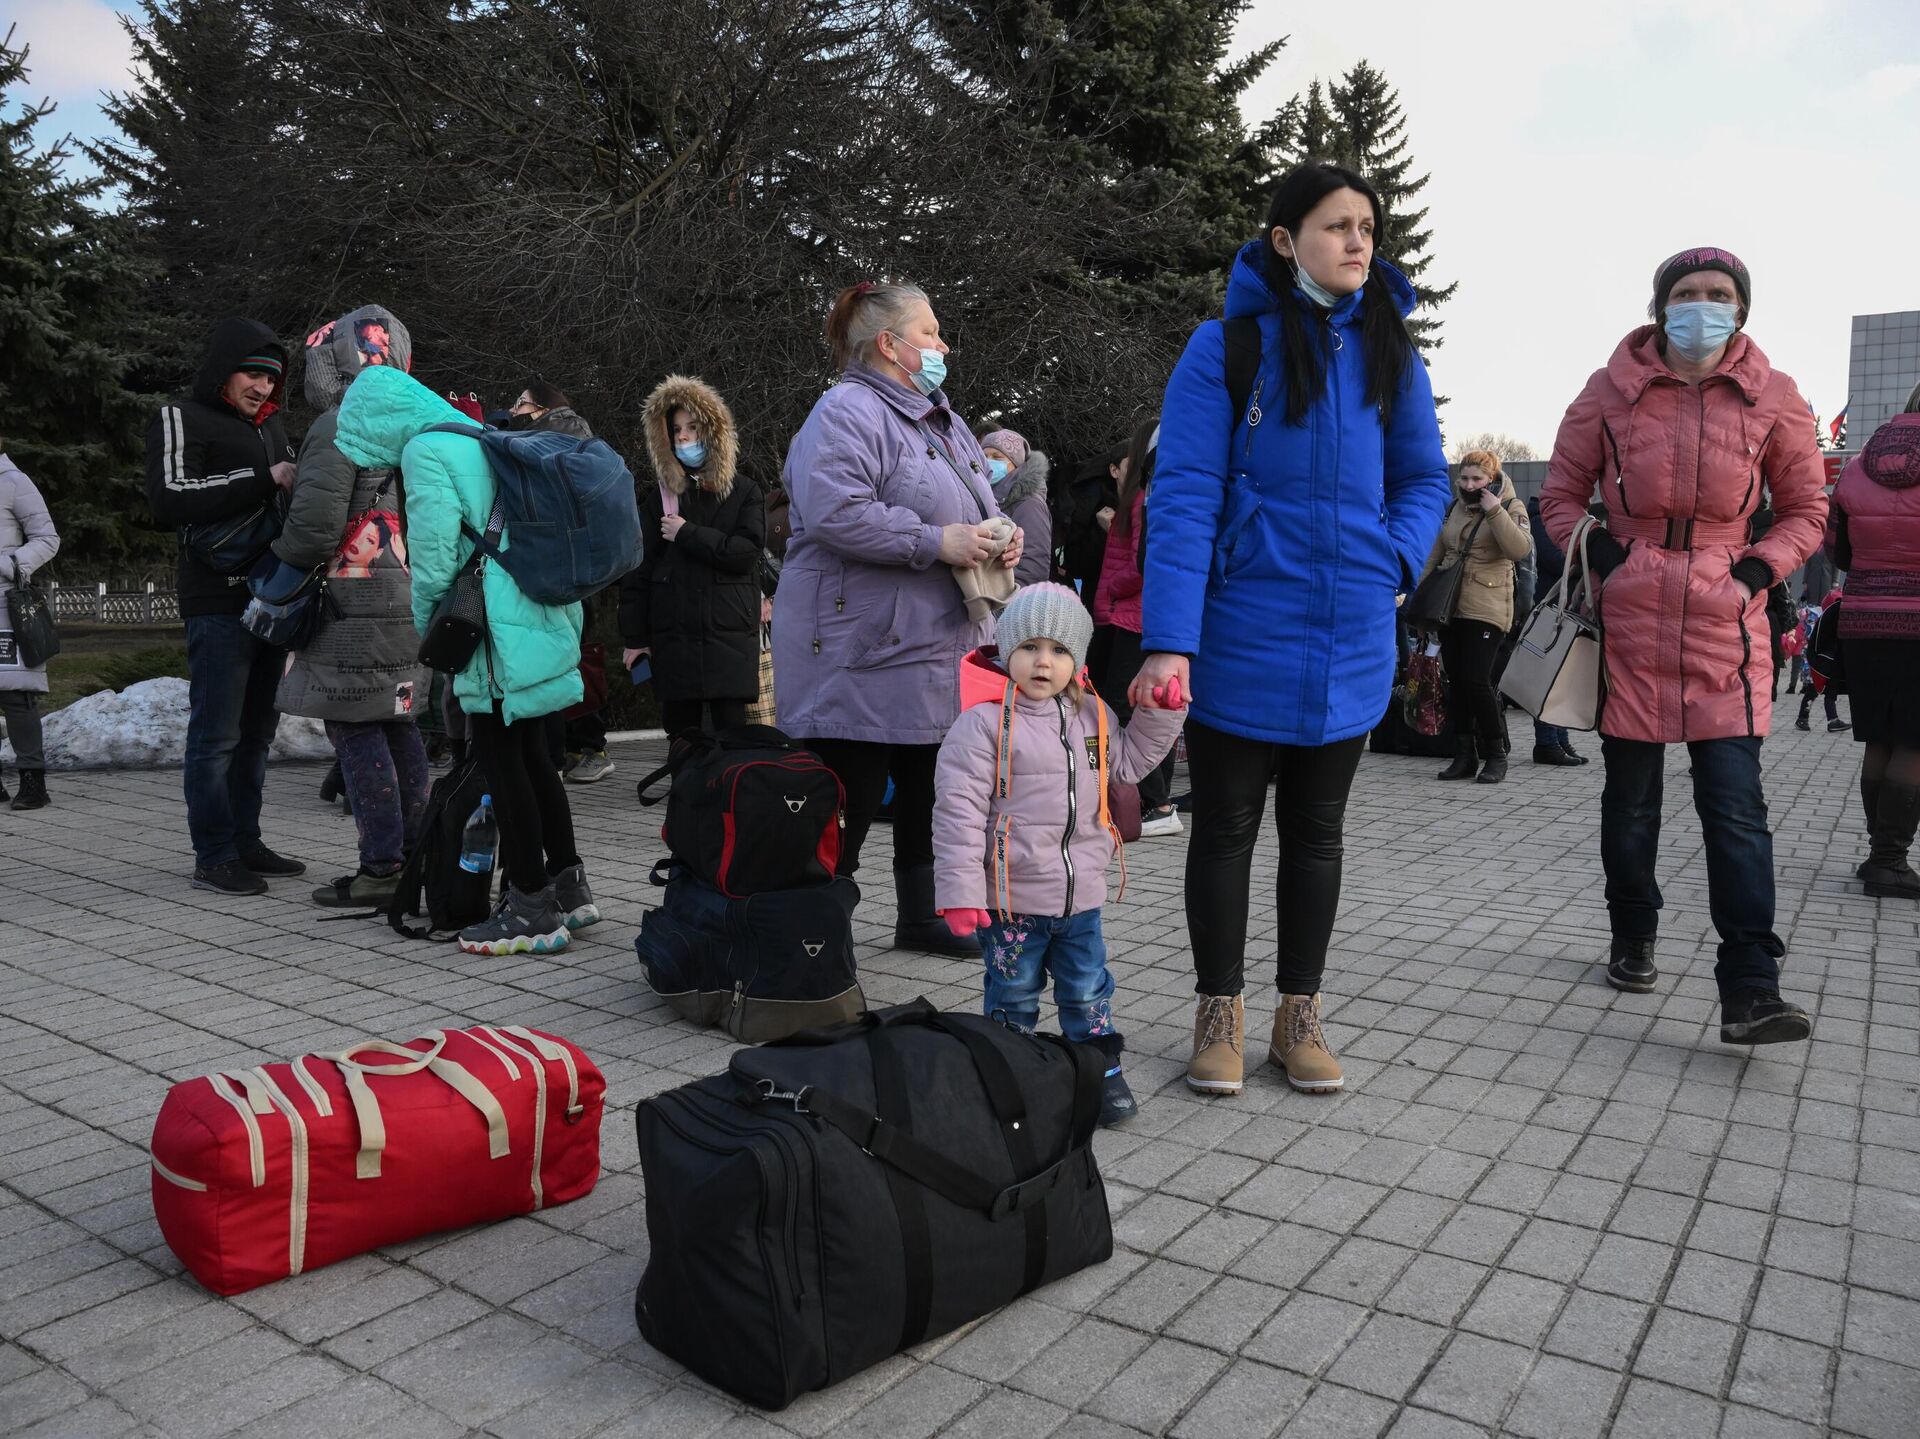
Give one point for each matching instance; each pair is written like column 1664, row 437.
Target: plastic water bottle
column 481, row 838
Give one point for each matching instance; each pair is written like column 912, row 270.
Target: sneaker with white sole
column 574, row 899
column 523, row 924
column 590, row 768
column 1160, row 822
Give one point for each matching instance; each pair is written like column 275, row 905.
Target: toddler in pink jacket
column 1021, row 835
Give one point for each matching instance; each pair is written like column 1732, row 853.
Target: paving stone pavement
column 1539, row 1208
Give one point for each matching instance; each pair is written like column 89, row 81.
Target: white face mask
column 1312, row 288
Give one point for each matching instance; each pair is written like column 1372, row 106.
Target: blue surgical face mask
column 1313, row 289
column 932, row 373
column 1696, row 328
column 998, row 470
column 693, row 456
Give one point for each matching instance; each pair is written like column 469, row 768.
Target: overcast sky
column 1572, row 147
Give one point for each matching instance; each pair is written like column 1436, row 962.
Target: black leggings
column 678, row 715
column 529, row 801
column 1468, row 649
column 863, row 768
column 1115, row 659
column 1230, row 776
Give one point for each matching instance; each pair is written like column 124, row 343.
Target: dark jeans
column 1023, row 951
column 1114, row 660
column 1550, row 736
column 678, row 715
column 1733, row 824
column 383, row 765
column 1467, row 650
column 586, row 734
column 1230, row 778
column 231, row 680
column 22, row 709
column 529, row 800
column 863, row 769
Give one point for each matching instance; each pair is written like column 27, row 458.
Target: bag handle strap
column 366, row 1108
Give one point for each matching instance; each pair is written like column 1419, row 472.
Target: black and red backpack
column 749, row 810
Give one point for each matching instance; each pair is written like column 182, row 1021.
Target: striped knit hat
column 266, row 364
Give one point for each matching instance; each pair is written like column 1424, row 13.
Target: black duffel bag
column 763, row 967
column 750, row 810
column 834, row 1199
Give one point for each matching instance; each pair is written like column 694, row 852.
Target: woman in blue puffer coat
column 1279, row 540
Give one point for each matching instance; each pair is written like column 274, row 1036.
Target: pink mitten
column 964, row 922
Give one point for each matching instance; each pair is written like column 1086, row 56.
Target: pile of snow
column 144, row 726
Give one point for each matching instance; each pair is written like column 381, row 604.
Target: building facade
column 1883, row 366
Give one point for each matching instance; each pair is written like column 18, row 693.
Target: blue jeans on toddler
column 1022, row 951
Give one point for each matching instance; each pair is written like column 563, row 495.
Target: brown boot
column 1218, row 1065
column 1300, row 1045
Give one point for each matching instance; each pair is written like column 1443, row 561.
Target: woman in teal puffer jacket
column 527, row 668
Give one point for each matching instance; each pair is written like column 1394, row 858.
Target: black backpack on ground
column 432, row 885
column 837, row 1198
column 750, row 810
column 763, row 967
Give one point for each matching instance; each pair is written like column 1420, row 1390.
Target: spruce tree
column 1357, row 122
column 71, row 346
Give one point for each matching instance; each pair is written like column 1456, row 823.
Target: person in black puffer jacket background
column 693, row 604
column 220, row 452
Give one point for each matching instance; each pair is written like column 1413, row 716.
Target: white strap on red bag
column 254, row 1092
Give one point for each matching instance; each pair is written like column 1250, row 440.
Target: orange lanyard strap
column 1106, row 812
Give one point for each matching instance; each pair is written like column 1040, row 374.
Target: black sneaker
column 1803, row 723
column 1117, row 1103
column 1838, row 726
column 229, row 877
column 265, row 861
column 1761, row 1016
column 1573, row 755
column 1553, row 754
column 1630, row 966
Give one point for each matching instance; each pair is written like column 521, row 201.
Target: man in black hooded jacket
column 220, row 453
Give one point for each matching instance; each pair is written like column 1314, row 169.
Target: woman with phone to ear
column 1682, row 433
column 1280, row 537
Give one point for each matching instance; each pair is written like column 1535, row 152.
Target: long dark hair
column 1382, row 331
column 1139, row 471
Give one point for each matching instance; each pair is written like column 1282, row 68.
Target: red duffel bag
column 265, row 1172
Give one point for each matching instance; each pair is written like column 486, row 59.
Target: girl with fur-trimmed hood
column 693, row 605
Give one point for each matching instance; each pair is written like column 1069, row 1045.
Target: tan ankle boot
column 1218, row 1065
column 1300, row 1045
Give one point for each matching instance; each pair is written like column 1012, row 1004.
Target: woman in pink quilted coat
column 1682, row 436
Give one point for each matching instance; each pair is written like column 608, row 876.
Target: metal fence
column 100, row 605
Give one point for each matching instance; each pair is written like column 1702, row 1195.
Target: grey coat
column 27, row 537
column 1022, row 497
column 362, row 666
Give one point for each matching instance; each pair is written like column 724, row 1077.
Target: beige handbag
column 1554, row 673
column 762, row 710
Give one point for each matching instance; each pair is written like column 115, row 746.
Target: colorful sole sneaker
column 523, row 924
column 574, row 899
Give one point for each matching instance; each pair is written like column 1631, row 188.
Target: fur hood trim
column 1030, row 479
column 723, row 436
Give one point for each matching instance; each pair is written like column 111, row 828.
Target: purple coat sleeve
column 1144, row 742
column 963, row 795
column 836, row 484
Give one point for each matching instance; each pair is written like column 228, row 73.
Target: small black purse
column 233, row 546
column 288, row 605
column 31, row 619
column 1432, row 602
column 459, row 621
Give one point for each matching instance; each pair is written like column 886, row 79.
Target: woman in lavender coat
column 890, row 492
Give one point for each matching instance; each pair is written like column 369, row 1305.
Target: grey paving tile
column 1475, row 1379
column 1246, row 1401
